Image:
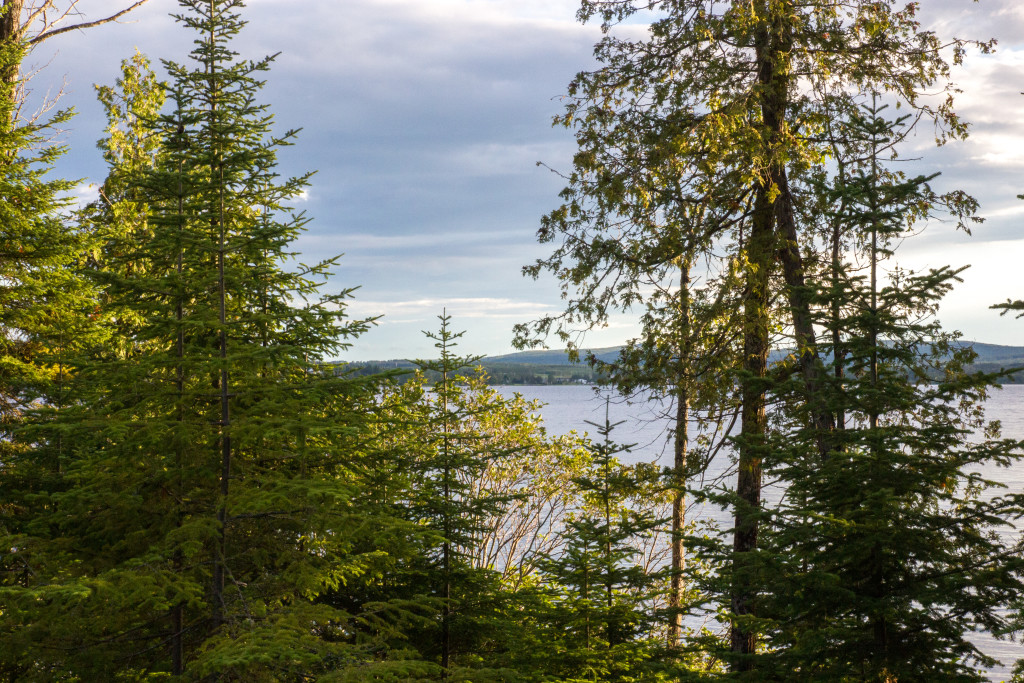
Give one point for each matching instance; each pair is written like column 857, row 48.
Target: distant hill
column 552, row 366
column 509, row 367
column 1011, row 356
column 551, row 356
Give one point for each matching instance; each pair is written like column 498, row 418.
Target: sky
column 425, row 119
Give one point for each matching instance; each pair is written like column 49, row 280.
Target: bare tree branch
column 35, row 13
column 49, row 33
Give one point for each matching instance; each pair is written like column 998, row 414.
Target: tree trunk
column 773, row 236
column 178, row 611
column 838, row 353
column 446, row 549
column 743, row 638
column 800, row 308
column 10, row 22
column 11, row 32
column 773, row 49
column 219, row 231
column 675, row 598
column 681, row 445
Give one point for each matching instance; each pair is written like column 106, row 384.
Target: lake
column 569, row 407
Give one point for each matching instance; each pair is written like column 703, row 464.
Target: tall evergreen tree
column 881, row 560
column 449, row 501
column 211, row 486
column 724, row 106
column 45, row 309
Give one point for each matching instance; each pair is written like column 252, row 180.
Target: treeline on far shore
column 505, row 373
column 495, row 373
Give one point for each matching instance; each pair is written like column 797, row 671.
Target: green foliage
column 706, row 143
column 882, row 559
column 190, row 491
column 45, row 307
column 480, row 493
column 596, row 616
column 208, row 497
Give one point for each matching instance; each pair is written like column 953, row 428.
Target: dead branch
column 49, row 32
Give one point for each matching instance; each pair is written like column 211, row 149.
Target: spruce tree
column 211, row 482
column 46, row 320
column 447, row 499
column 882, row 559
column 510, row 489
column 598, row 621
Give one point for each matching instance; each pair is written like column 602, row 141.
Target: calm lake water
column 569, row 408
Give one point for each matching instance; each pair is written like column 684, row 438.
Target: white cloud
column 425, row 309
column 84, row 193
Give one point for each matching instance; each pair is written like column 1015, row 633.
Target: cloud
column 424, row 119
column 84, row 193
column 999, row 19
column 503, row 159
column 416, row 310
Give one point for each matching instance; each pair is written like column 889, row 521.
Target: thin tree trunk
column 681, row 445
column 880, row 625
column 217, row 173
column 838, row 353
column 446, row 609
column 225, row 423
column 606, row 491
column 178, row 611
column 677, row 586
column 586, row 598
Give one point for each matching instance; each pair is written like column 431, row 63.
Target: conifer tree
column 725, row 106
column 211, row 483
column 881, row 560
column 447, row 500
column 599, row 621
column 45, row 309
column 510, row 486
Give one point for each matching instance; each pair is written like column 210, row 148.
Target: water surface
column 647, row 426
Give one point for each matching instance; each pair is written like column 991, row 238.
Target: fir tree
column 211, row 491
column 598, row 621
column 510, row 488
column 883, row 558
column 45, row 319
column 455, row 455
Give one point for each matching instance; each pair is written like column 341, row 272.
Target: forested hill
column 552, row 366
column 1004, row 356
column 995, row 357
column 552, row 356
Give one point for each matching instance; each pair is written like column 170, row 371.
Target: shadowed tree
column 882, row 560
column 209, row 498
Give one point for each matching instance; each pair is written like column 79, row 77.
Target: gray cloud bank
column 425, row 120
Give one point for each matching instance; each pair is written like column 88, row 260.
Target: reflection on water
column 646, row 425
